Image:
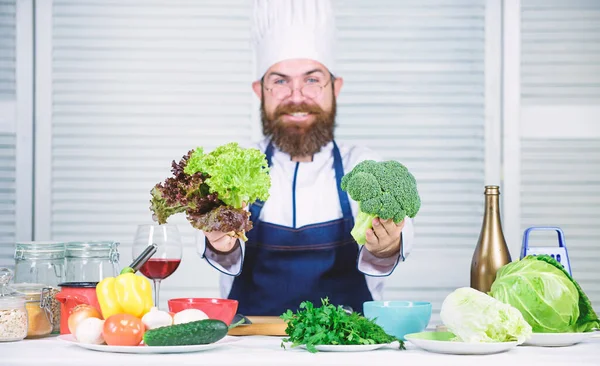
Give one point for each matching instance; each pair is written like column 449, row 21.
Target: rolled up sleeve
column 229, row 264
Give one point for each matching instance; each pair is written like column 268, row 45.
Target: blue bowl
column 399, row 318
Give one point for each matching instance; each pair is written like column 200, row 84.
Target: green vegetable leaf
column 331, row 325
column 588, row 320
column 181, row 193
column 547, row 296
column 212, row 188
column 236, row 174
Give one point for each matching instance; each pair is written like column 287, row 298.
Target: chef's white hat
column 293, row 29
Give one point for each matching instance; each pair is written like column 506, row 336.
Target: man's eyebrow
column 314, row 71
column 274, row 73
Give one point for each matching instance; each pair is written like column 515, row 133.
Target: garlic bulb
column 156, row 318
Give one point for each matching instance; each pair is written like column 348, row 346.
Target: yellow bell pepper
column 125, row 294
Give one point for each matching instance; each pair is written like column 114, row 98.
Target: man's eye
column 312, row 80
column 280, row 81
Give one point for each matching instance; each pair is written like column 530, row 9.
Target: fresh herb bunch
column 331, row 325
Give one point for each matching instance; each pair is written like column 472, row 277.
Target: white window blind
column 7, row 135
column 560, row 129
column 415, row 91
column 129, row 87
column 7, row 49
column 7, row 199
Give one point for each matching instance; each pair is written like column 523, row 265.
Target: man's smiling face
column 298, row 105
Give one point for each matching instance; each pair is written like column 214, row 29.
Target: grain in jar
column 39, row 315
column 54, row 306
column 13, row 314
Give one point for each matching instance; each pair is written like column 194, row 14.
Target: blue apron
column 285, row 266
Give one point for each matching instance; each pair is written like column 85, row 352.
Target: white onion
column 189, row 315
column 89, row 331
column 156, row 318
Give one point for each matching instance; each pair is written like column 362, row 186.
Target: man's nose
column 297, row 96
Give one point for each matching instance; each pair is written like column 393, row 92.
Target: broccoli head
column 382, row 189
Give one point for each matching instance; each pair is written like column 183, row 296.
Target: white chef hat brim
column 293, row 29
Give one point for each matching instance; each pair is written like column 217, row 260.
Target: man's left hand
column 384, row 240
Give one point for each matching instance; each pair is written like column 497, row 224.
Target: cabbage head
column 550, row 300
column 474, row 316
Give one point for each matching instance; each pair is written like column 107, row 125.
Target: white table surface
column 258, row 350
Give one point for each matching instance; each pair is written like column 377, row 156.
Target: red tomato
column 123, row 330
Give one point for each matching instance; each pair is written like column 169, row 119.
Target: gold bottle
column 491, row 252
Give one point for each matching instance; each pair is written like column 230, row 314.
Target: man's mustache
column 297, row 108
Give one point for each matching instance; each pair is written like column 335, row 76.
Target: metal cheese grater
column 559, row 253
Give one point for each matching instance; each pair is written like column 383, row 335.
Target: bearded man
column 300, row 247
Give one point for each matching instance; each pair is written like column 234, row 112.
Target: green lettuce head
column 236, row 174
column 550, row 300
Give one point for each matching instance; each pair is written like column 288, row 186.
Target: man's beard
column 299, row 139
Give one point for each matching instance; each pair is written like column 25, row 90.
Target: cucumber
column 193, row 333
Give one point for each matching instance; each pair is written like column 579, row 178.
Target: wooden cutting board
column 261, row 325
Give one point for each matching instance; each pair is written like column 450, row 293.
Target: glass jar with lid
column 91, row 261
column 13, row 313
column 41, row 265
column 41, row 318
column 40, row 262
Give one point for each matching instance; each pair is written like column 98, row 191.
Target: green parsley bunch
column 331, row 325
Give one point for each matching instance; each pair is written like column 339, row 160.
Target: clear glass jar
column 40, row 262
column 41, row 321
column 91, row 261
column 13, row 313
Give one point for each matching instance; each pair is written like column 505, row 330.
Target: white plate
column 351, row 348
column 556, row 339
column 147, row 349
column 439, row 342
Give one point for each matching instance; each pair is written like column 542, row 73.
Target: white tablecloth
column 256, row 350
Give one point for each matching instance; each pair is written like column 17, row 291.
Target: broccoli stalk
column 385, row 190
column 363, row 222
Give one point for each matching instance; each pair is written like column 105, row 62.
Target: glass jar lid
column 31, row 291
column 9, row 298
column 39, row 249
column 92, row 249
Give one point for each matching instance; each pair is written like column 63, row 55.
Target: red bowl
column 222, row 309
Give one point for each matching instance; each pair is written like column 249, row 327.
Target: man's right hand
column 220, row 241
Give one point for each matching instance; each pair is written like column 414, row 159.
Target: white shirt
column 317, row 201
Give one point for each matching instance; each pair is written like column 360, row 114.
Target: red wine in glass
column 159, row 268
column 166, row 259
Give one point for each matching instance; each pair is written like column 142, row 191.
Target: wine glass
column 168, row 254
